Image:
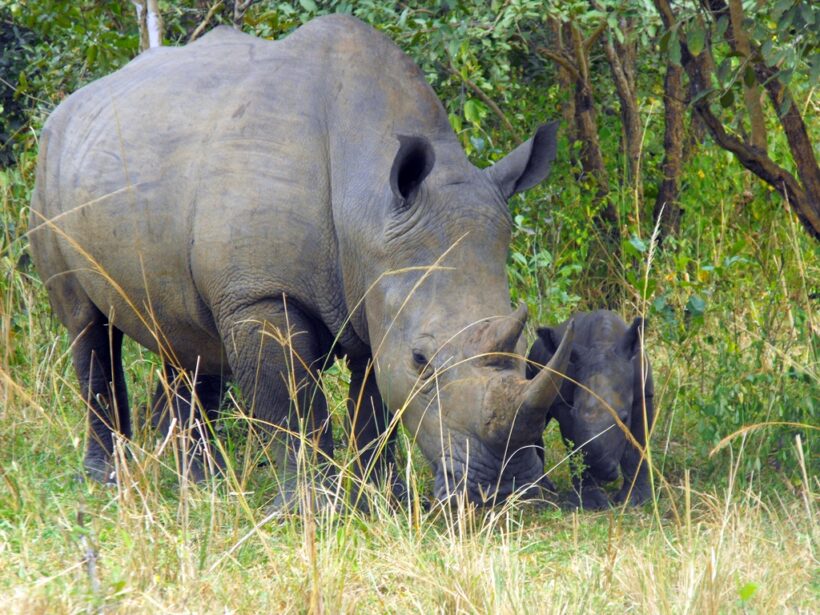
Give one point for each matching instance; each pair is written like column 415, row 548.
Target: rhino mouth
column 486, row 478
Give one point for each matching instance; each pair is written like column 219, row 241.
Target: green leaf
column 724, row 70
column 674, row 48
column 664, row 42
column 309, row 5
column 807, row 13
column 91, row 54
column 728, row 99
column 696, row 305
column 701, row 94
column 639, row 244
column 455, row 122
column 696, row 38
column 749, row 78
column 747, row 591
column 473, row 111
column 722, row 26
column 815, row 68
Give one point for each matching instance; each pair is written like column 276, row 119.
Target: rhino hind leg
column 97, row 355
column 175, row 399
column 275, row 354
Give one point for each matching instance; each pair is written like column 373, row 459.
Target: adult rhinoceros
column 248, row 209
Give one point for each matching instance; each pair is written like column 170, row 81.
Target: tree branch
column 595, row 35
column 561, row 60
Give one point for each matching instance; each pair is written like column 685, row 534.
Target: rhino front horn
column 542, row 390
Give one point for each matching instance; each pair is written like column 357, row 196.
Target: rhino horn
column 541, row 391
column 523, row 404
column 502, row 335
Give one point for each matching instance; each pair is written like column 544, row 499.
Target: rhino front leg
column 587, row 493
column 372, row 439
column 274, row 353
column 174, row 399
column 634, row 468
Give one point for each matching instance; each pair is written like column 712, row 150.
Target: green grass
column 733, row 334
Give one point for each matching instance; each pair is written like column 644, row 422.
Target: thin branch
column 561, row 59
column 590, row 40
column 489, row 102
column 204, row 23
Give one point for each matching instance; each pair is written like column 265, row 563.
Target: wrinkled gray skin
column 250, row 209
column 606, row 361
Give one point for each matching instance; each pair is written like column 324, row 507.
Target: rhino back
column 202, row 177
column 599, row 327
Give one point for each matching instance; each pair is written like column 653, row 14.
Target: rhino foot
column 100, row 469
column 298, row 496
column 589, row 498
column 202, row 466
column 547, row 485
column 639, row 495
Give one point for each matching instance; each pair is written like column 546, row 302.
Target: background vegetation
column 663, row 108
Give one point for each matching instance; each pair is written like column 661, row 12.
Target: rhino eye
column 419, row 359
column 422, row 364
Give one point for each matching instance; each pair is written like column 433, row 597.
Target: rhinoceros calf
column 250, row 209
column 607, row 377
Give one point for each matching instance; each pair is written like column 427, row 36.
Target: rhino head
column 446, row 348
column 601, row 388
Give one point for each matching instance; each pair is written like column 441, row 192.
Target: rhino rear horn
column 528, row 164
column 502, row 335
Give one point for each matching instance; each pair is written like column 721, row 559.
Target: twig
column 489, row 102
column 203, row 24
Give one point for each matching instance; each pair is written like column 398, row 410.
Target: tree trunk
column 150, row 23
column 804, row 200
column 154, row 24
column 621, row 58
column 560, row 33
column 751, row 93
column 142, row 15
column 667, row 207
column 592, row 158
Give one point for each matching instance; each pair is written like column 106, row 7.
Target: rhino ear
column 528, row 164
column 413, row 162
column 548, row 337
column 630, row 344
